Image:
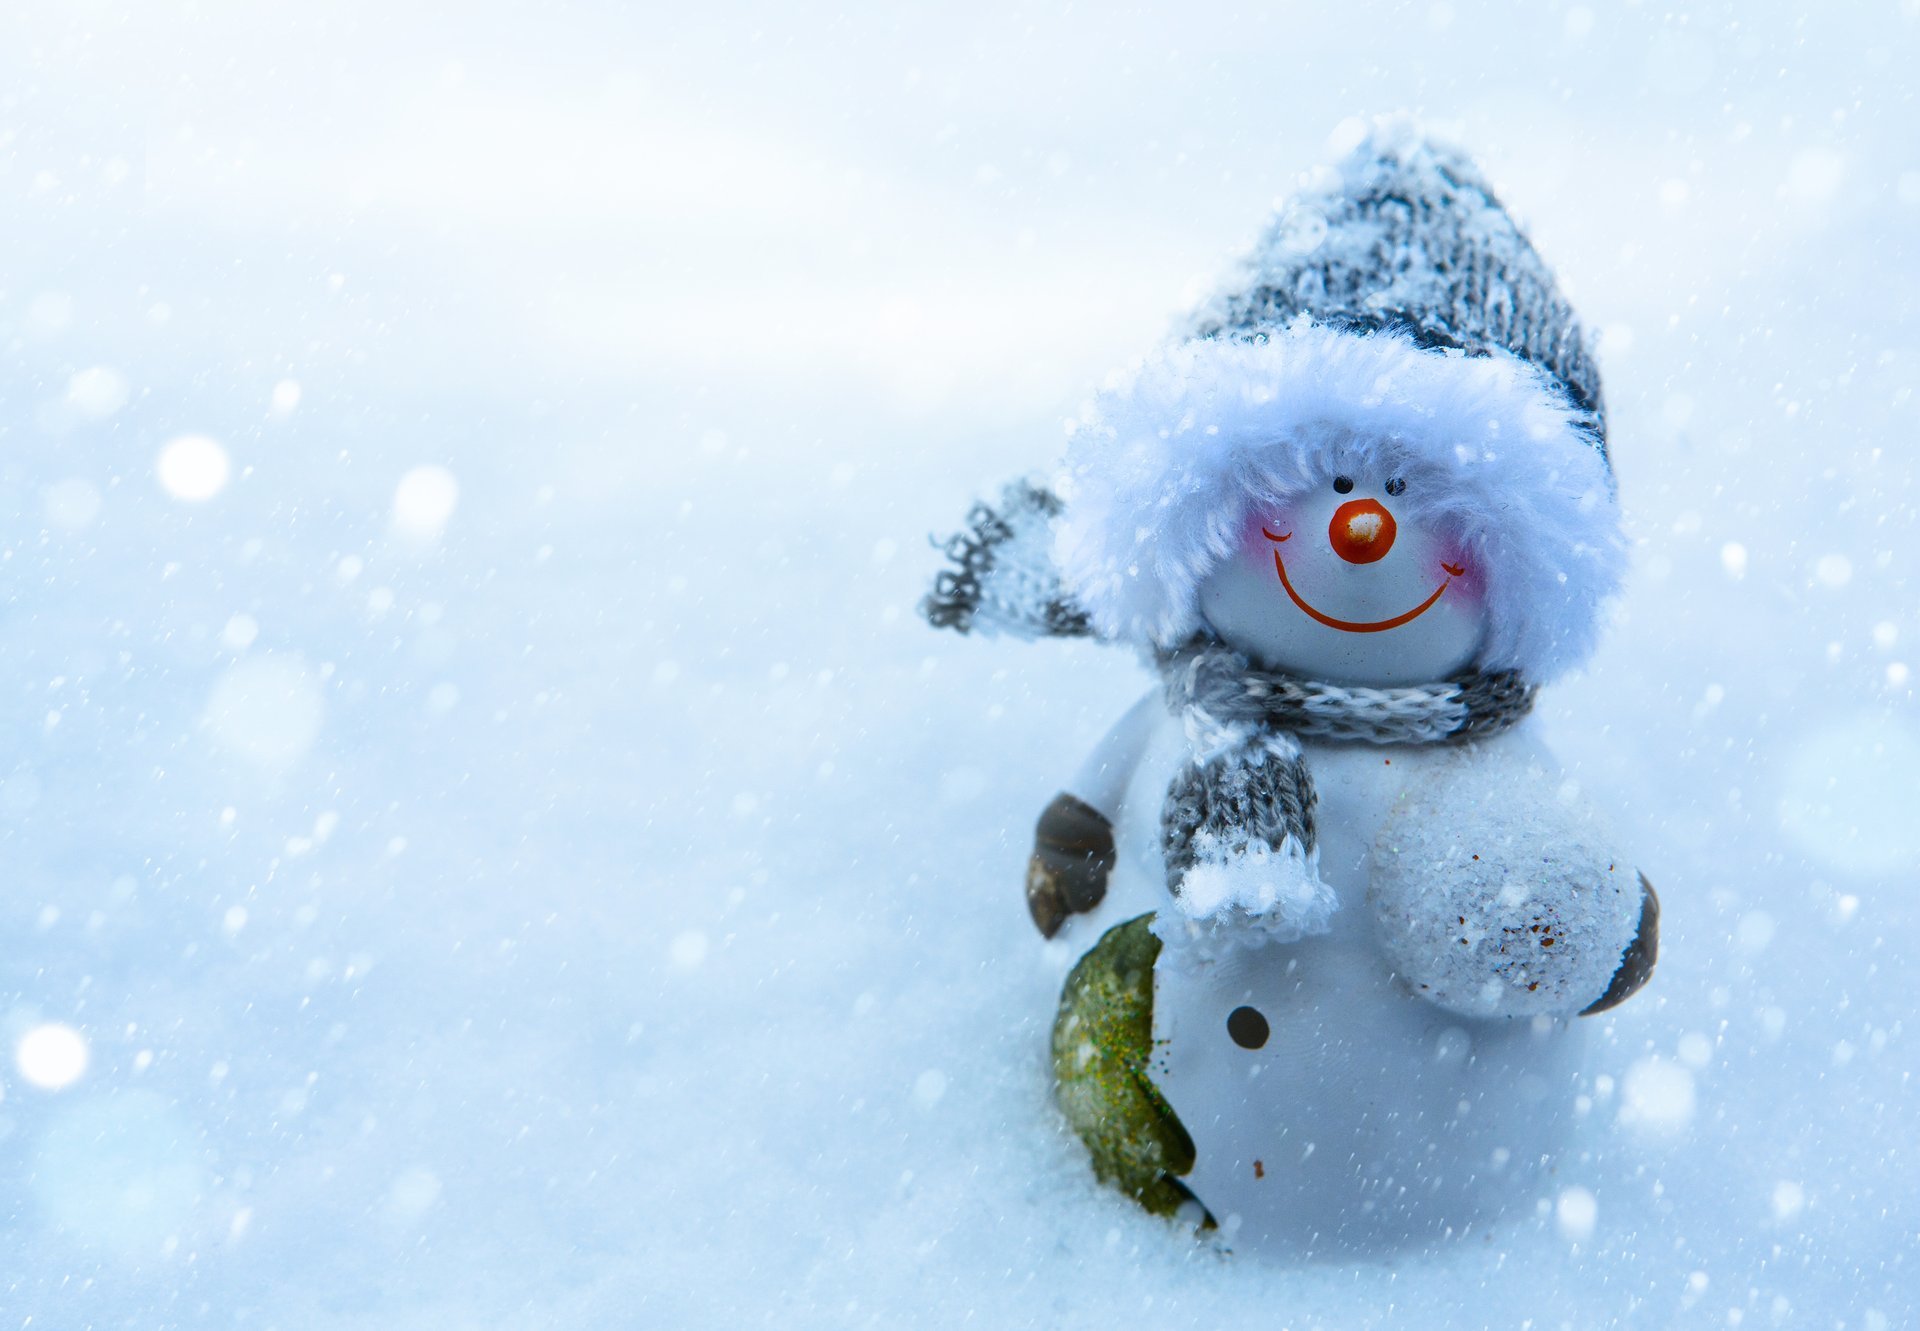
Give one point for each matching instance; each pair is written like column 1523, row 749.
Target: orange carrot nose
column 1361, row 531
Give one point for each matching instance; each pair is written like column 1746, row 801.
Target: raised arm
column 1073, row 850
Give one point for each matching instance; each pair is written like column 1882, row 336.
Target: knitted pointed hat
column 1395, row 321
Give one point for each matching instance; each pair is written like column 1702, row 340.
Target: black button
column 1247, row 1027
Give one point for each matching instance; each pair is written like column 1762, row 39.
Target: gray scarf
column 1246, row 781
column 1246, row 788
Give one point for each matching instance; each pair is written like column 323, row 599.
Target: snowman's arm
column 1498, row 895
column 1073, row 850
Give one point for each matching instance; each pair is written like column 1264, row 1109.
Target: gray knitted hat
column 1394, row 321
column 1411, row 239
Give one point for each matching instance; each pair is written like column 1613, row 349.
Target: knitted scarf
column 1237, row 823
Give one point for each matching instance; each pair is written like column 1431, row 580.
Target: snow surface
column 507, row 850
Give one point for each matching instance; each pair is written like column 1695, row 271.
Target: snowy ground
column 566, row 886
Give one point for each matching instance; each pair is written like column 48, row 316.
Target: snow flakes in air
column 285, row 397
column 70, row 505
column 1754, row 932
column 929, row 1087
column 1733, row 558
column 120, row 1172
column 688, row 950
column 19, row 792
column 412, row 1195
column 1657, row 1096
column 51, row 312
column 423, row 503
column 1834, row 570
column 1814, row 175
column 1846, row 795
column 96, row 393
column 1788, row 1199
column 1676, row 413
column 52, row 1056
column 267, row 710
column 193, row 468
column 963, row 785
column 1576, row 1212
column 239, row 633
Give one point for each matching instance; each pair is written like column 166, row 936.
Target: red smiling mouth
column 1355, row 626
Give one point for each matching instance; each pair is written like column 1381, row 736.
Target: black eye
column 1396, row 486
column 1247, row 1027
column 1342, row 485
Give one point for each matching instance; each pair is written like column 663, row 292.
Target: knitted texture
column 1237, row 823
column 1238, row 834
column 1227, row 685
column 1393, row 321
column 1408, row 236
column 1003, row 579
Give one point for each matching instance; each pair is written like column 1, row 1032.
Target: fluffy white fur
column 1169, row 461
column 1243, row 893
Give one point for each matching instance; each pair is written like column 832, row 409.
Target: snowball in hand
column 1496, row 897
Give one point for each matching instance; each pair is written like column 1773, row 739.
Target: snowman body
column 1340, row 914
column 1365, row 1118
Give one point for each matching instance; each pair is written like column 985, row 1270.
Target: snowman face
column 1344, row 584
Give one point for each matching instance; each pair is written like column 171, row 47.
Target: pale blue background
column 606, row 913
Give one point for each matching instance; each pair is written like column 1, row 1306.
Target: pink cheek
column 1254, row 541
column 1465, row 585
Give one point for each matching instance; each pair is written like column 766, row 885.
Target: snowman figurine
column 1341, row 913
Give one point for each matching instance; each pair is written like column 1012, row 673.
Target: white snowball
column 52, row 1057
column 1498, row 894
column 424, row 501
column 194, row 468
